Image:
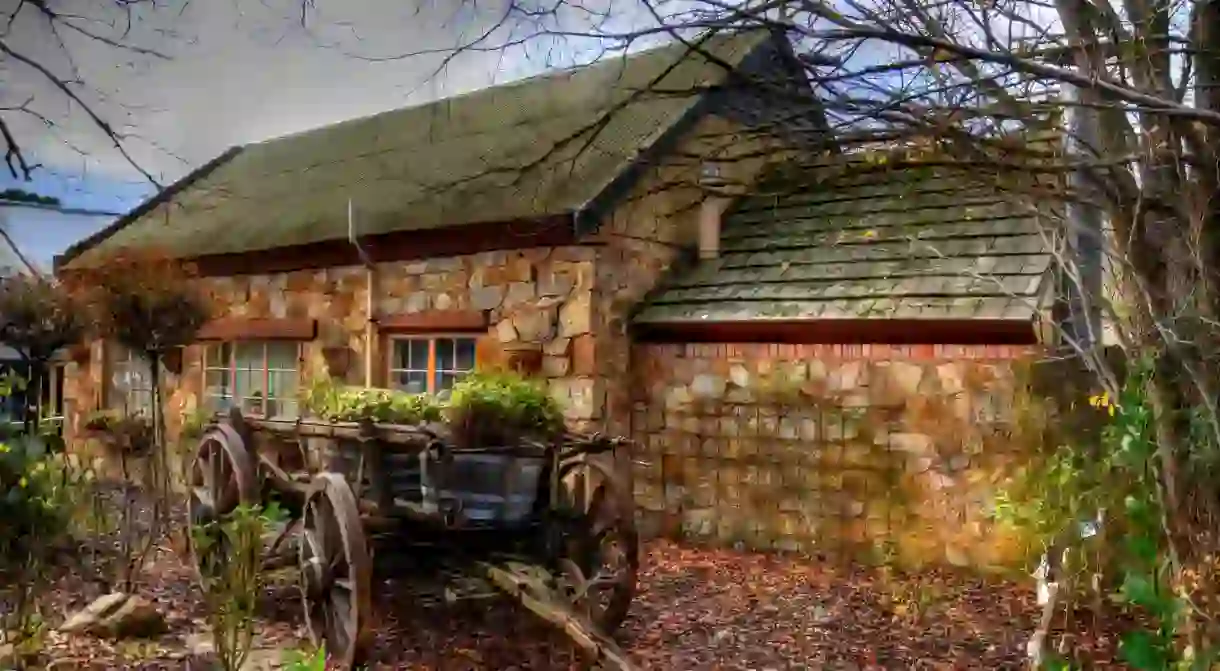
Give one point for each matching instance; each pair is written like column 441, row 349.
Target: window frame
column 230, row 370
column 122, row 358
column 392, row 370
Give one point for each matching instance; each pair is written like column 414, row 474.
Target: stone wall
column 648, row 233
column 535, row 298
column 841, row 450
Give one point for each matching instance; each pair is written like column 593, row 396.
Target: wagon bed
column 375, row 497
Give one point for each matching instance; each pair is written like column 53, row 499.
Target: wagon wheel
column 599, row 552
column 336, row 571
column 221, row 478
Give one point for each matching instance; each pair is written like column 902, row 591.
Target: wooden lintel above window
column 434, row 321
column 238, row 328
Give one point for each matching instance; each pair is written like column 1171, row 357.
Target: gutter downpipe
column 370, row 325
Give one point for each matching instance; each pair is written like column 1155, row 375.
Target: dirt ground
column 697, row 609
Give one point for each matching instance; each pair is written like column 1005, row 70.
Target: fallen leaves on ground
column 702, row 609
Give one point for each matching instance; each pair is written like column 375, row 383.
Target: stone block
column 584, row 355
column 556, row 284
column 576, row 316
column 557, row 347
column 505, row 332
column 519, row 293
column 534, row 325
column 708, row 386
column 556, row 366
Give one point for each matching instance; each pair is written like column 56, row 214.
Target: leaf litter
column 696, row 609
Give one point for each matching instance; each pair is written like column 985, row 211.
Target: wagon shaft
column 531, row 586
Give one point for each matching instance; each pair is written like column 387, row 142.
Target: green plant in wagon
column 500, row 409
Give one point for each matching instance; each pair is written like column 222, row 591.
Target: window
column 431, row 363
column 259, row 377
column 131, row 381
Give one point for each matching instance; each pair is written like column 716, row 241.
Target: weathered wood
column 239, row 328
column 434, row 321
column 391, row 434
column 530, row 587
column 334, row 558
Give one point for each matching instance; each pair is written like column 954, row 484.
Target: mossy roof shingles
column 866, row 244
column 538, row 147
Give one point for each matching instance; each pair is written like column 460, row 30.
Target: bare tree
column 1128, row 93
column 48, row 64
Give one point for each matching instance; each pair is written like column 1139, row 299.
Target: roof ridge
column 601, row 63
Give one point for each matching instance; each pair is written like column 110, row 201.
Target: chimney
column 710, row 210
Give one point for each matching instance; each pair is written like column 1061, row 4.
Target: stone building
column 610, row 230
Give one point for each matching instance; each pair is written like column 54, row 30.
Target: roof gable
column 545, row 146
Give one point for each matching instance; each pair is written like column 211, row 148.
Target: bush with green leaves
column 30, row 514
column 500, row 409
column 482, row 409
column 296, row 660
column 231, row 577
column 339, row 403
column 1116, row 482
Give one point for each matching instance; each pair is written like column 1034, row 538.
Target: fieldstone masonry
column 840, row 450
column 536, row 299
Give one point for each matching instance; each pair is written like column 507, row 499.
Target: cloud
column 240, row 71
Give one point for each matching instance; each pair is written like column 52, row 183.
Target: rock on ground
column 117, row 615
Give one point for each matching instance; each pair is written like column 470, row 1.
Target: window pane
column 217, row 355
column 283, row 385
column 217, row 403
column 410, row 355
column 282, row 356
column 445, row 381
column 414, row 382
column 141, row 402
column 249, row 356
column 215, row 381
column 250, row 382
column 465, row 354
column 444, row 354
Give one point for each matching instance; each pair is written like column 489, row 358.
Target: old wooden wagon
column 549, row 523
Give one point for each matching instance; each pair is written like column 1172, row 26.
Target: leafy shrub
column 231, row 584
column 339, row 403
column 131, row 435
column 295, row 660
column 30, row 494
column 501, row 408
column 482, row 409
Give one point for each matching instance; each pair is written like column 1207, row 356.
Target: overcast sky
column 239, row 71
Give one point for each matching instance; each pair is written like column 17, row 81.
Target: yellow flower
column 3, row 448
column 22, row 483
column 1103, row 401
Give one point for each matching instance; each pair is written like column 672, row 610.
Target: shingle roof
column 542, row 146
column 900, row 245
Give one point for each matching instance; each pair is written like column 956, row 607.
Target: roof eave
column 62, row 261
column 964, row 331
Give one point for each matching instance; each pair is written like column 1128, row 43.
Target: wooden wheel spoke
column 596, row 530
column 336, row 570
column 222, row 477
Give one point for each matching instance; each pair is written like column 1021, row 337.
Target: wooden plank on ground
column 528, row 585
